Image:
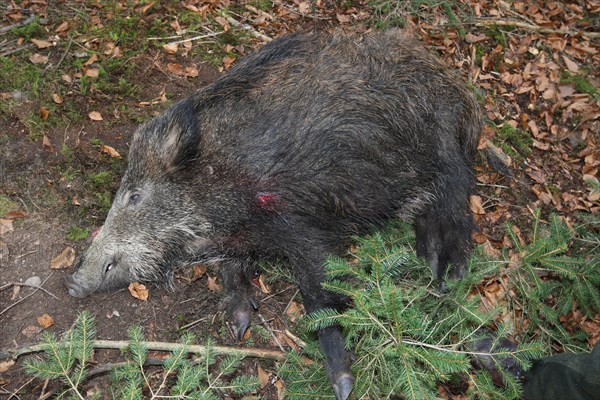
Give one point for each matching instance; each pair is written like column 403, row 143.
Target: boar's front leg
column 444, row 230
column 308, row 267
column 240, row 301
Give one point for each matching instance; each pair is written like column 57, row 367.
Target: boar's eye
column 134, row 198
column 108, row 267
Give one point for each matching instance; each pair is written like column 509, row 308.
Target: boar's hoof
column 457, row 271
column 343, row 386
column 240, row 315
column 454, row 273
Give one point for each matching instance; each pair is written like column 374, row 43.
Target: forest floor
column 77, row 77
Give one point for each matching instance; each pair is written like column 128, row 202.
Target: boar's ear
column 180, row 147
column 169, row 142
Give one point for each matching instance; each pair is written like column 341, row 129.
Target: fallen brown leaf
column 62, row 27
column 213, row 286
column 15, row 292
column 139, row 291
column 571, row 65
column 537, row 176
column 146, row 7
column 41, row 44
column 95, row 116
column 45, row 321
column 198, row 271
column 44, row 112
column 92, row 72
column 178, row 69
column 171, row 48
column 294, row 311
column 110, row 151
column 31, row 330
column 262, row 285
column 228, row 62
column 47, row 144
column 6, row 225
column 15, row 15
column 470, row 38
column 342, row 18
column 304, row 7
column 110, row 49
column 64, row 260
column 479, row 237
column 5, row 365
column 223, row 22
column 38, row 59
column 280, row 389
column 16, row 214
column 57, row 98
column 490, row 250
column 263, row 377
column 93, row 58
column 290, row 341
column 475, row 204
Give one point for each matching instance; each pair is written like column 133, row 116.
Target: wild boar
column 313, row 139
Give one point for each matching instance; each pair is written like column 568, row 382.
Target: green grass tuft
column 7, row 205
column 514, row 141
column 76, row 233
column 582, row 84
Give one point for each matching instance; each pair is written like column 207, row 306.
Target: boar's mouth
column 75, row 289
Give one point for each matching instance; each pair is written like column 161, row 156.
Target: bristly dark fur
column 300, row 146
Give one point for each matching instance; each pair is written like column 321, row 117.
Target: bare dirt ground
column 56, row 173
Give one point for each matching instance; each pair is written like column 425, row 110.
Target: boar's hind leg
column 444, row 233
column 240, row 301
column 309, row 274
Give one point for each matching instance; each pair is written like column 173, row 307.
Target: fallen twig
column 8, row 285
column 295, row 338
column 246, row 27
column 14, row 394
column 532, row 27
column 29, row 295
column 158, row 346
column 15, row 50
column 29, row 20
column 267, row 327
column 259, row 12
column 196, row 322
column 197, row 37
column 25, row 254
column 65, row 53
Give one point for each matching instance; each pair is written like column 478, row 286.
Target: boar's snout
column 92, row 274
column 75, row 289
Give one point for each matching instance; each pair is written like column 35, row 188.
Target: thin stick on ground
column 159, row 346
column 246, row 27
column 532, row 27
column 267, row 327
column 197, row 37
column 29, row 295
column 9, row 285
column 8, row 28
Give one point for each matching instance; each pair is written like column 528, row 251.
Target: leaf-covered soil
column 77, row 77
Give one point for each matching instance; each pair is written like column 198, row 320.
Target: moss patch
column 514, row 141
column 7, row 205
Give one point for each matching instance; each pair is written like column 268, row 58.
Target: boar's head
column 153, row 224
